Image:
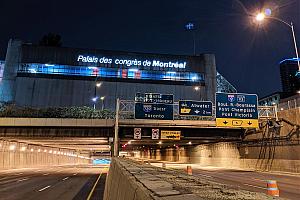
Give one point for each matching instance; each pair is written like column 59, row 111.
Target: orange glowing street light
column 260, row 17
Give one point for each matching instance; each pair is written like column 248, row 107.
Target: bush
column 11, row 110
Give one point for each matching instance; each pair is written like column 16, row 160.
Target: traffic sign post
column 195, row 108
column 137, row 135
column 155, row 134
column 236, row 110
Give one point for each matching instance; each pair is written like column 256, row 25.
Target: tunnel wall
column 18, row 155
column 230, row 155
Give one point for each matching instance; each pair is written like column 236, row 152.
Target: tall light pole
column 261, row 17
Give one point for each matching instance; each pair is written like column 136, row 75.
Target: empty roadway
column 61, row 182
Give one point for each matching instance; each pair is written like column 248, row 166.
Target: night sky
column 247, row 55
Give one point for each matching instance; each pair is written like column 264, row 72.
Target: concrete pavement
column 240, row 179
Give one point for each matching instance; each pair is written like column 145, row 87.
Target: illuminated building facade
column 38, row 76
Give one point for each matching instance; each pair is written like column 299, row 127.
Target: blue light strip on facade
column 289, row 59
column 125, row 73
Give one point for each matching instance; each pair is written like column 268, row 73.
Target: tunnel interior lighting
column 12, row 147
column 31, row 150
column 39, row 150
column 23, row 148
column 45, row 151
column 50, row 151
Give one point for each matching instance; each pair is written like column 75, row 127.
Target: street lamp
column 95, row 100
column 261, row 16
column 98, row 84
column 102, row 99
column 197, row 89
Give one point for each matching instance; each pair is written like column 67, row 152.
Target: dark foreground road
column 289, row 185
column 68, row 182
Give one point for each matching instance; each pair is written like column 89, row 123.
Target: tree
column 51, row 39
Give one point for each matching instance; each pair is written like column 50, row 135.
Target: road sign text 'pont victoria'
column 236, row 110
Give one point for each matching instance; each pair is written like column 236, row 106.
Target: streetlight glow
column 260, row 17
column 94, row 99
column 197, row 88
column 98, row 84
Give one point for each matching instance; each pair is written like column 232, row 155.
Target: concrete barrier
column 120, row 184
column 131, row 180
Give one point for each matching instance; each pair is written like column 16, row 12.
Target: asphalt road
column 64, row 182
column 288, row 184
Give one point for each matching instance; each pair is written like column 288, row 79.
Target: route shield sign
column 153, row 111
column 170, row 135
column 236, row 110
column 195, row 108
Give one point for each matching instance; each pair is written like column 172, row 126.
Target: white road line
column 255, row 186
column 19, row 174
column 45, row 188
column 24, row 179
column 46, row 174
column 259, row 179
column 74, row 174
column 205, row 175
column 65, row 178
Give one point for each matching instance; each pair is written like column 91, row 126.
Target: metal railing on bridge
column 126, row 111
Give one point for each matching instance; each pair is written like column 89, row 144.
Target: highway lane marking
column 74, row 174
column 255, row 186
column 205, row 175
column 259, row 179
column 92, row 191
column 65, row 178
column 44, row 188
column 46, row 174
column 24, row 179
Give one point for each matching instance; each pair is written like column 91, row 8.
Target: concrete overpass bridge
column 95, row 135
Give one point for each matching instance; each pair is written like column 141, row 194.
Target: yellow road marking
column 92, row 191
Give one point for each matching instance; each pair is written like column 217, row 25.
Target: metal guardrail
column 127, row 112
